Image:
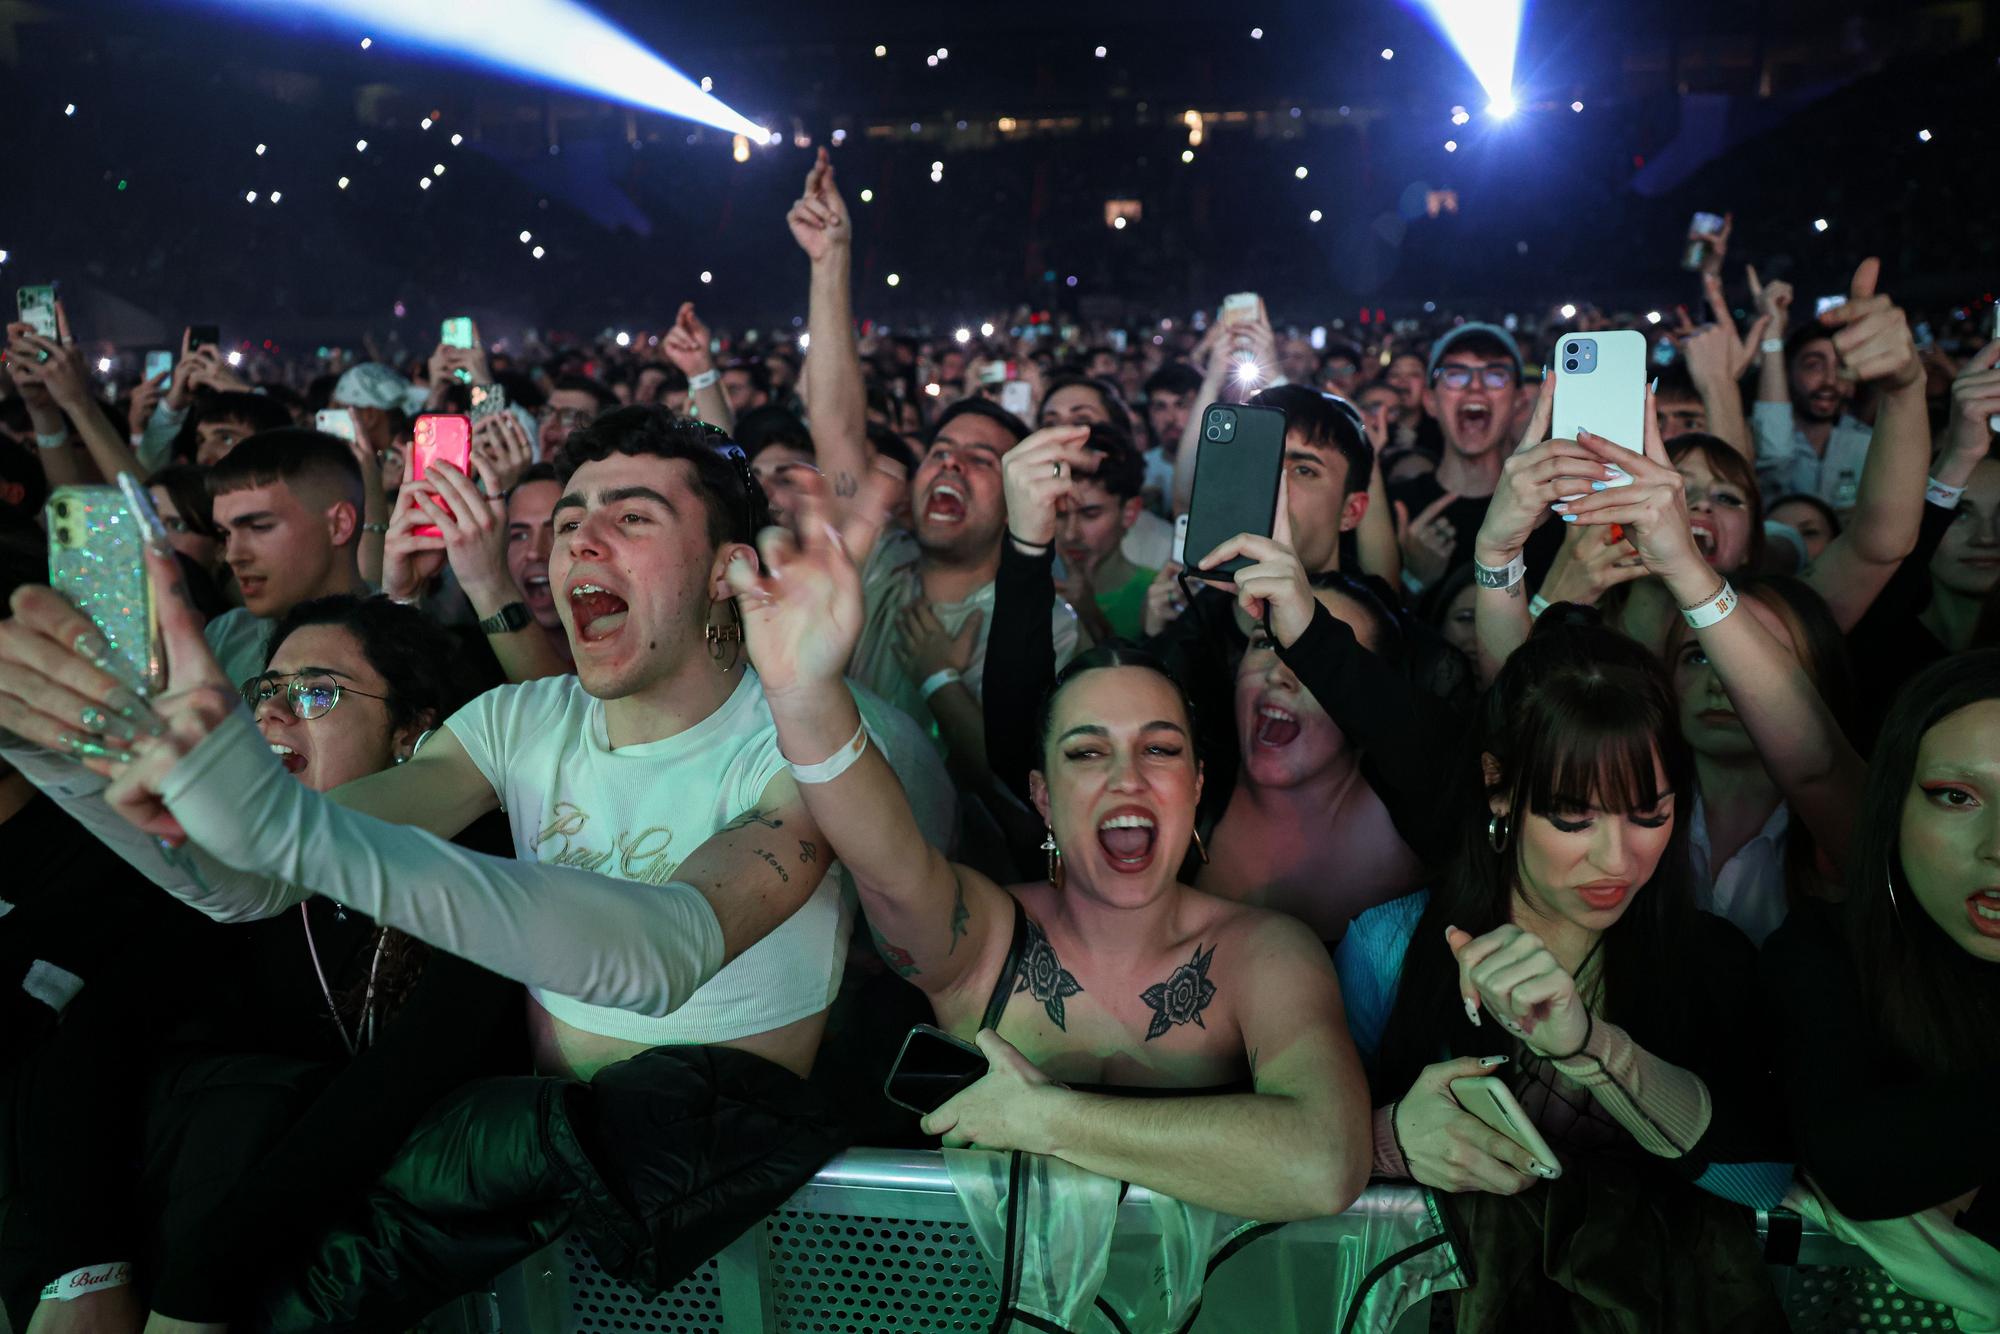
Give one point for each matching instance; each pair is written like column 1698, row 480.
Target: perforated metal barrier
column 879, row 1242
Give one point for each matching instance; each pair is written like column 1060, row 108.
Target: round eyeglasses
column 1494, row 375
column 307, row 695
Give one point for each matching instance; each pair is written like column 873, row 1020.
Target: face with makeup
column 1949, row 837
column 352, row 739
column 1584, row 860
column 1718, row 513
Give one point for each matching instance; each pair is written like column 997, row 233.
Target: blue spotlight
column 1485, row 33
column 553, row 41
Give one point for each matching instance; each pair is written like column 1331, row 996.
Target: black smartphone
column 1236, row 478
column 932, row 1069
column 204, row 335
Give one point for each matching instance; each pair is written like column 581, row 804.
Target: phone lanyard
column 364, row 1030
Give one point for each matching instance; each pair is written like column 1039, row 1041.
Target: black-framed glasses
column 308, row 695
column 1493, row 375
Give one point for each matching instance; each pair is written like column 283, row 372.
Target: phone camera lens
column 1571, row 349
column 1214, row 431
column 62, row 536
column 1570, row 365
column 62, row 509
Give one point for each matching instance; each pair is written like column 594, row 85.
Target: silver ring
column 1055, row 468
column 93, row 719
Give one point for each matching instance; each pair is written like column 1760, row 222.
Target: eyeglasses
column 569, row 417
column 307, row 696
column 1493, row 375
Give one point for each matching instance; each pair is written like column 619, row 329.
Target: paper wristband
column 937, row 681
column 91, row 1278
column 836, row 764
column 697, row 383
column 1711, row 609
column 1944, row 497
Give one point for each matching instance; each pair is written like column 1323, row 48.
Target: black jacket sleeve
column 1881, row 1143
column 1020, row 663
column 1409, row 739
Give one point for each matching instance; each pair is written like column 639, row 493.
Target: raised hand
column 1537, row 474
column 1975, row 403
column 501, row 443
column 687, row 343
column 1872, row 335
column 1652, row 510
column 1164, row 600
column 1773, row 301
column 1593, row 561
column 1273, row 589
column 145, row 398
column 1511, row 975
column 818, row 218
column 410, row 560
column 1035, row 475
column 473, row 529
column 802, row 611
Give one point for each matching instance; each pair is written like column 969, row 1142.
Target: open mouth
column 535, row 590
column 598, row 613
column 1276, row 727
column 1601, row 897
column 250, row 585
column 294, row 762
column 1984, row 910
column 1127, row 839
column 1704, row 537
column 946, row 504
column 1475, row 418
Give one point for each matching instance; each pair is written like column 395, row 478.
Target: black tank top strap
column 1003, row 986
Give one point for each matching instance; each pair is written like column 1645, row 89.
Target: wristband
column 1536, row 606
column 937, row 681
column 697, row 383
column 836, row 764
column 1411, row 582
column 1505, row 576
column 381, row 528
column 1027, row 548
column 1711, row 608
column 54, row 441
column 1937, row 493
column 91, row 1278
column 1771, row 345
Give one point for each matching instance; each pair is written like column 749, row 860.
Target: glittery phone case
column 97, row 560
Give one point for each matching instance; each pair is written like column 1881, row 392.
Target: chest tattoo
column 1043, row 976
column 1182, row 997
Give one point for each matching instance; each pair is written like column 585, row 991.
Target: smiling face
column 1283, row 735
column 281, row 551
column 349, row 741
column 1119, row 784
column 1583, row 863
column 1968, row 559
column 531, row 531
column 956, row 494
column 1718, row 513
column 1950, row 831
column 1476, row 418
column 1818, row 392
column 633, row 570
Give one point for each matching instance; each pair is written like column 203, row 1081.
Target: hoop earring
column 1056, row 875
column 1200, row 848
column 1498, row 832
column 717, row 636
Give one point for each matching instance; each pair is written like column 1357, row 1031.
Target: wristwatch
column 513, row 616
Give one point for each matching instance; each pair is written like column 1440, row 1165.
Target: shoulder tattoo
column 1043, row 976
column 961, row 916
column 1182, row 997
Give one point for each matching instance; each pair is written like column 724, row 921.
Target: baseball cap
column 1464, row 331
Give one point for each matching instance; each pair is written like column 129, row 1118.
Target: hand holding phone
column 1236, row 479
column 933, row 1068
column 440, row 438
column 1496, row 1107
column 38, row 311
column 1601, row 388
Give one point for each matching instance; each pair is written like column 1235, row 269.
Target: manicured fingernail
column 1613, row 470
column 86, row 749
column 89, row 644
column 119, row 729
column 1472, row 1011
column 1490, row 1061
column 1545, row 1173
column 1569, row 518
column 1560, row 506
column 1600, row 486
column 1581, row 433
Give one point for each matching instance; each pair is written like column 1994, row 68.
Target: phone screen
column 1236, row 478
column 337, row 421
column 934, row 1068
column 38, row 309
column 440, row 437
column 456, row 332
column 158, row 364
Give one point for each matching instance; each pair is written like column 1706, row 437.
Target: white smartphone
column 337, row 421
column 1496, row 1107
column 1018, row 397
column 1180, row 540
column 1240, row 306
column 1601, row 388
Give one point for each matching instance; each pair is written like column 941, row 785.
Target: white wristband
column 1771, row 345
column 1711, row 608
column 1937, row 493
column 937, row 681
column 1504, row 576
column 54, row 440
column 697, row 383
column 836, row 764
column 91, row 1278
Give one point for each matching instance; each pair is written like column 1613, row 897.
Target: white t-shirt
column 635, row 813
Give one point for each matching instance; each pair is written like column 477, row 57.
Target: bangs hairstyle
column 1107, row 394
column 1111, row 653
column 1575, row 718
column 1327, row 422
column 1726, row 463
column 729, row 492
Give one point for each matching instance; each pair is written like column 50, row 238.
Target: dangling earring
column 1055, row 860
column 1497, row 832
column 717, row 636
column 1200, row 849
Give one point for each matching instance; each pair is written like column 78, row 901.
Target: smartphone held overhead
column 1236, row 478
column 37, row 306
column 1601, row 388
column 439, row 438
column 97, row 560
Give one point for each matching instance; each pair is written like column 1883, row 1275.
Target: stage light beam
column 1486, row 34
column 559, row 42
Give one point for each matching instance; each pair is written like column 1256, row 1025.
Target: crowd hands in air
column 1656, row 778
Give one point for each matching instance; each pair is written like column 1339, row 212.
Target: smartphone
column 441, row 437
column 97, row 560
column 1118, row 339
column 1018, row 397
column 1495, row 1106
column 1826, row 303
column 1663, row 353
column 488, row 400
column 204, row 335
column 1236, row 478
column 1993, row 422
column 1240, row 306
column 159, row 363
column 338, row 421
column 1702, row 230
column 1601, row 387
column 993, row 372
column 1180, row 540
column 38, row 310
column 933, row 1068
column 456, row 331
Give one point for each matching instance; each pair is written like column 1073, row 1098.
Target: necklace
column 364, row 1029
